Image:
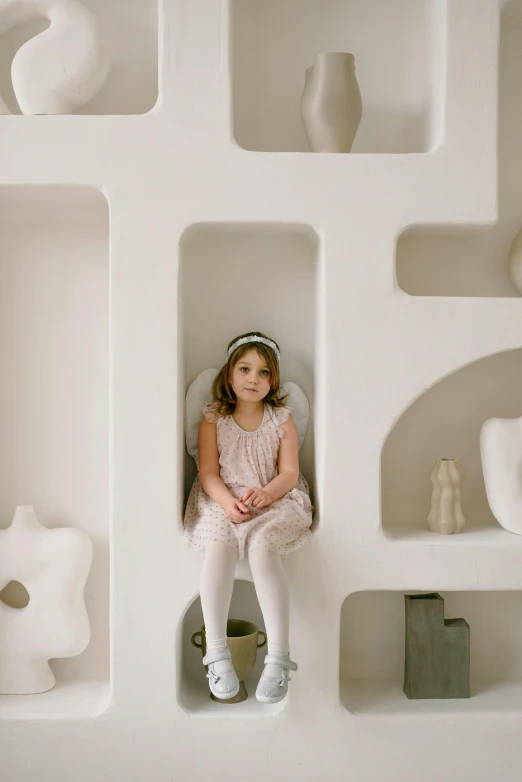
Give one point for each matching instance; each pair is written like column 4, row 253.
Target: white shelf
column 386, row 698
column 473, row 534
column 66, row 701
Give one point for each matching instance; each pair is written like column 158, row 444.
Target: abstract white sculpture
column 61, row 68
column 53, row 565
column 501, row 455
column 445, row 514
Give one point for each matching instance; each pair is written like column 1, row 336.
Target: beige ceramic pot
column 243, row 642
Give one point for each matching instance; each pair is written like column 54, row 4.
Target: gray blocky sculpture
column 437, row 650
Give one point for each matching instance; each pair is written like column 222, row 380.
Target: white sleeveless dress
column 249, row 459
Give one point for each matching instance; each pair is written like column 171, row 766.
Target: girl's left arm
column 287, row 464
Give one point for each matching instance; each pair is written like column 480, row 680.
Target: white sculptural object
column 501, row 455
column 53, row 565
column 446, row 514
column 61, row 68
column 331, row 105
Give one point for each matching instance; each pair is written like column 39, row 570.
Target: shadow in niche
column 10, row 43
column 470, row 260
column 445, row 421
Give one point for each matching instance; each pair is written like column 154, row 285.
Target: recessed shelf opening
column 474, row 260
column 447, row 418
column 193, row 691
column 54, row 404
column 398, row 51
column 372, row 653
column 260, row 277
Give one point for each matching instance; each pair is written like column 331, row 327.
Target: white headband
column 253, row 338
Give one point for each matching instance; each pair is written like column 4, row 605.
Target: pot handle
column 193, row 639
column 261, row 632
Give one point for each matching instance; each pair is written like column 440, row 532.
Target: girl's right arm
column 209, row 474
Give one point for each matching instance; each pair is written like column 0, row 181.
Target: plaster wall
column 375, row 349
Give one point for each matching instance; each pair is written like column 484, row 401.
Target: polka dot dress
column 247, row 460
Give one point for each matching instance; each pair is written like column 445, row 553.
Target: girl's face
column 250, row 378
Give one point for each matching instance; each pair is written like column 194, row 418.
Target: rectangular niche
column 54, row 404
column 131, row 33
column 469, row 260
column 193, row 690
column 372, row 654
column 398, row 49
column 236, row 278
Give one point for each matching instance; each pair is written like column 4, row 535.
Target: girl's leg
column 274, row 598
column 215, row 589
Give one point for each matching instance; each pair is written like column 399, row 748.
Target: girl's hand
column 257, row 498
column 237, row 512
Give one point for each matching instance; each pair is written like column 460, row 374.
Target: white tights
column 217, row 583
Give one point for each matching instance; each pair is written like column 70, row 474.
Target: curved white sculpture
column 61, row 68
column 501, row 455
column 445, row 514
column 53, row 565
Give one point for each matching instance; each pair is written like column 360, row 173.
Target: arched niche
column 193, row 691
column 445, row 422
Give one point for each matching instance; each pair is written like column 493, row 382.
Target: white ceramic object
column 446, row 516
column 53, row 565
column 501, row 455
column 515, row 262
column 331, row 105
column 61, row 68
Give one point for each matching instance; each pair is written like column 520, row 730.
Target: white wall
column 430, row 160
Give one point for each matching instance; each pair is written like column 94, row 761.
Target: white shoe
column 223, row 685
column 272, row 689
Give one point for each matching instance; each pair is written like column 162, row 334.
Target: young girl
column 248, row 497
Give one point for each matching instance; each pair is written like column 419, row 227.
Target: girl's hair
column 223, row 392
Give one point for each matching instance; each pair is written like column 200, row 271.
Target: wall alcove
column 372, row 654
column 398, row 54
column 131, row 32
column 54, row 404
column 445, row 422
column 239, row 277
column 466, row 260
column 193, row 691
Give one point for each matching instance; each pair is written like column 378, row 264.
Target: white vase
column 61, row 68
column 515, row 262
column 53, row 565
column 331, row 106
column 501, row 456
column 445, row 514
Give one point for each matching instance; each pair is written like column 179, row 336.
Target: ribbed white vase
column 331, row 105
column 446, row 516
